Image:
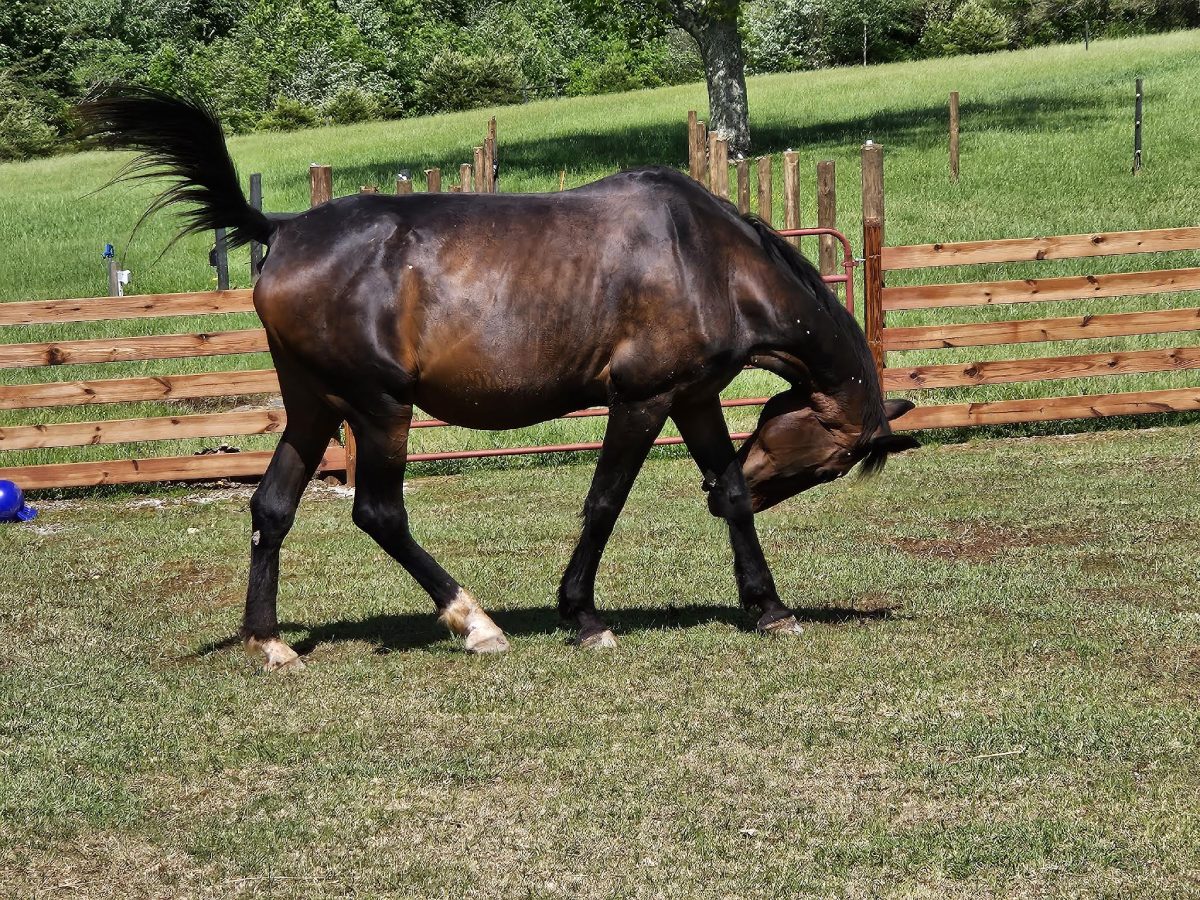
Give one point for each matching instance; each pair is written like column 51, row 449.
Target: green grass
column 1046, row 149
column 996, row 693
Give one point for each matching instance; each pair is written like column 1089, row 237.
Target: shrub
column 350, row 105
column 24, row 131
column 976, row 28
column 457, row 80
column 289, row 115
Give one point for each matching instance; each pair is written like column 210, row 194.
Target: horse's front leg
column 707, row 437
column 632, row 428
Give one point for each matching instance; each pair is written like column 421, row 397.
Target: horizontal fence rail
column 1036, row 290
column 132, row 349
column 1009, row 371
column 1071, row 246
column 140, row 306
column 1069, row 328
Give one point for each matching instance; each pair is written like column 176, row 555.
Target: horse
column 641, row 291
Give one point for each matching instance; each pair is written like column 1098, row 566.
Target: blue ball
column 13, row 507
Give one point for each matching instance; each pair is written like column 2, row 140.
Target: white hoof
column 466, row 618
column 785, row 627
column 280, row 657
column 495, row 642
column 605, row 640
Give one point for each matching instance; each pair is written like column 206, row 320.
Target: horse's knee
column 382, row 521
column 272, row 517
column 730, row 501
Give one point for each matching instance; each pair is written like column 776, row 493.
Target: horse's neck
column 814, row 345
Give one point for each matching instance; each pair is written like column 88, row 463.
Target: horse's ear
column 894, row 409
column 894, row 443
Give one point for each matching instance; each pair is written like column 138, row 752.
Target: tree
column 713, row 24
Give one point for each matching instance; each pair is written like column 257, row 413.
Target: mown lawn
column 997, row 694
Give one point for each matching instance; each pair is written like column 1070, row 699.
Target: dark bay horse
column 642, row 292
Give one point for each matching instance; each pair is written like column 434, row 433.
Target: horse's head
column 803, row 440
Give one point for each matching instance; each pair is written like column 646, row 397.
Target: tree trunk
column 724, row 68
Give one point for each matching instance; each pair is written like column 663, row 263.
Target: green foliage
column 24, row 131
column 976, row 28
column 350, row 105
column 289, row 115
column 461, row 80
column 272, row 63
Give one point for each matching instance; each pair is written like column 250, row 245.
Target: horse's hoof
column 291, row 665
column 494, row 642
column 280, row 657
column 785, row 627
column 600, row 640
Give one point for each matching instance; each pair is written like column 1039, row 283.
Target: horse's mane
column 875, row 421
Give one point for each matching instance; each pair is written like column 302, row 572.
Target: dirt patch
column 977, row 542
column 189, row 585
column 1175, row 669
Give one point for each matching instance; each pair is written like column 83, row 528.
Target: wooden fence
column 880, row 299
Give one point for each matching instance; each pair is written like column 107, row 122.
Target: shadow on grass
column 623, row 147
column 412, row 631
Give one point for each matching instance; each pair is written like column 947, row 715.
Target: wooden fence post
column 464, row 178
column 220, row 259
column 256, row 250
column 954, row 135
column 872, row 207
column 1137, row 127
column 404, row 184
column 764, row 189
column 320, row 185
column 433, row 181
column 700, row 154
column 719, row 166
column 697, row 148
column 791, row 192
column 827, row 214
column 743, row 185
column 480, row 178
column 489, row 156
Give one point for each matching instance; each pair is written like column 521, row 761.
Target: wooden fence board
column 1068, row 328
column 1071, row 246
column 124, row 431
column 1008, row 371
column 1041, row 409
column 133, row 306
column 1035, row 290
column 152, row 346
column 131, row 390
column 163, row 468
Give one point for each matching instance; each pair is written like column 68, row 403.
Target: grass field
column 1046, row 149
column 996, row 694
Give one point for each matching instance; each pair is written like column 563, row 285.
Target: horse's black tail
column 180, row 139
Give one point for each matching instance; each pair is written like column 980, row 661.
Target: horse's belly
column 473, row 405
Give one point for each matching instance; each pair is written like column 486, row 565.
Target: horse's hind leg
column 309, row 427
column 379, row 511
column 705, row 433
column 628, row 438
